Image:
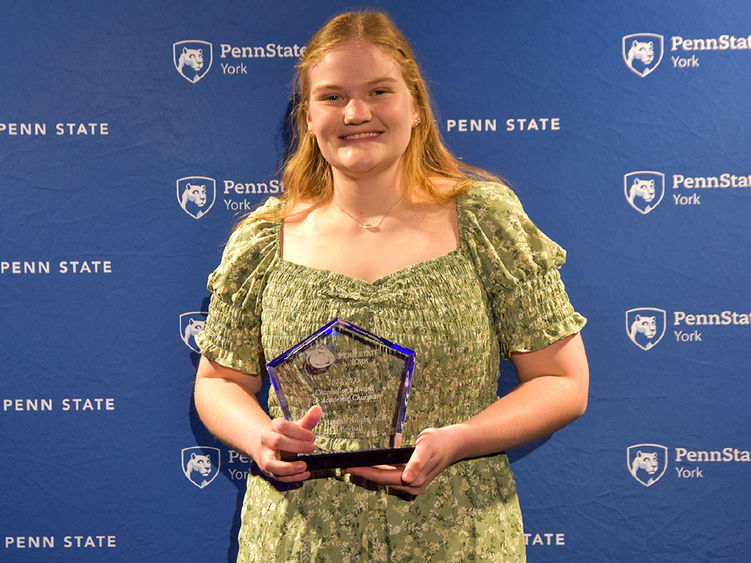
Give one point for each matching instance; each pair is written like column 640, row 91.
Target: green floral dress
column 499, row 292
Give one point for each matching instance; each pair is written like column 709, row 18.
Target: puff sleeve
column 518, row 267
column 232, row 336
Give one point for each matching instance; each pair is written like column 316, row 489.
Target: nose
column 356, row 111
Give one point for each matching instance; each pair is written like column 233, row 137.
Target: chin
column 364, row 171
column 365, row 166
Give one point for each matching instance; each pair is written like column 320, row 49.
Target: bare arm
column 227, row 402
column 552, row 392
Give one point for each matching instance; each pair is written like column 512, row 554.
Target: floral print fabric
column 499, row 292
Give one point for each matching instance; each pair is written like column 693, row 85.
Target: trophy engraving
column 360, row 380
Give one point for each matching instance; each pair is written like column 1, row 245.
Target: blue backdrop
column 623, row 127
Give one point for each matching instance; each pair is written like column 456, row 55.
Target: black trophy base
column 354, row 458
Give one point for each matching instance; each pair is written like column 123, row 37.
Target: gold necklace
column 369, row 225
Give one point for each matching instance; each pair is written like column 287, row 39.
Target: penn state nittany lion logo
column 644, row 189
column 641, row 50
column 192, row 59
column 191, row 325
column 647, row 462
column 645, row 326
column 196, row 195
column 201, row 464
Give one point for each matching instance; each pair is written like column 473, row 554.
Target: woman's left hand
column 435, row 449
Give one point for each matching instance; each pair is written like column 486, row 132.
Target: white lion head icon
column 647, row 462
column 193, row 329
column 191, row 325
column 193, row 195
column 644, row 189
column 640, row 51
column 196, row 195
column 645, row 326
column 201, row 464
column 190, row 59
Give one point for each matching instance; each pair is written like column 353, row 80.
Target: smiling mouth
column 355, row 136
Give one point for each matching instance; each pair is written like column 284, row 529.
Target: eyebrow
column 331, row 86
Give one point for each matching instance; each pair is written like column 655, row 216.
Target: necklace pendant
column 370, row 225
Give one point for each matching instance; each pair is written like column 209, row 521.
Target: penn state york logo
column 191, row 325
column 196, row 195
column 647, row 462
column 192, row 59
column 645, row 326
column 201, row 464
column 642, row 52
column 644, row 189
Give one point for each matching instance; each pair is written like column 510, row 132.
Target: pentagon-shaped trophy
column 361, row 382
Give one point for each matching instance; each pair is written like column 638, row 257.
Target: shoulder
column 261, row 217
column 481, row 194
column 256, row 227
column 251, row 247
column 504, row 239
column 494, row 209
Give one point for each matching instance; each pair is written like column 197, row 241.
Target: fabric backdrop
column 622, row 126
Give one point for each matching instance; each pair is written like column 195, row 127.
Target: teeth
column 361, row 135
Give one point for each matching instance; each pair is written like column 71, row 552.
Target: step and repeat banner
column 134, row 135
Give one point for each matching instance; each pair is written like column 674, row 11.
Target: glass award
column 361, row 381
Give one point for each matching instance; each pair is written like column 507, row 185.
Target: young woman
column 382, row 226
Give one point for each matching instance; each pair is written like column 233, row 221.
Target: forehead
column 353, row 62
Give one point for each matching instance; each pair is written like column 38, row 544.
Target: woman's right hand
column 227, row 402
column 286, row 436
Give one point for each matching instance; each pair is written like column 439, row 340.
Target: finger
column 280, row 442
column 391, row 479
column 380, row 476
column 290, row 478
column 415, row 466
column 425, row 476
column 414, row 491
column 311, row 418
column 291, row 429
column 382, row 467
column 283, row 469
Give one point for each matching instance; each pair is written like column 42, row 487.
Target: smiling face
column 360, row 109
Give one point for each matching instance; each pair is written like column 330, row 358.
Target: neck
column 371, row 196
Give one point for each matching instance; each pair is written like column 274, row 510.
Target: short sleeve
column 518, row 267
column 232, row 336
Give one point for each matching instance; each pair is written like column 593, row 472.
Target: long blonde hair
column 307, row 175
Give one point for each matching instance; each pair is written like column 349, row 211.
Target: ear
column 307, row 114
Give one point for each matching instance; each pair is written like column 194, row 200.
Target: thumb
column 413, row 468
column 311, row 418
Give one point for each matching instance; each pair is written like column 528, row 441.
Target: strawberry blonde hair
column 307, row 175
